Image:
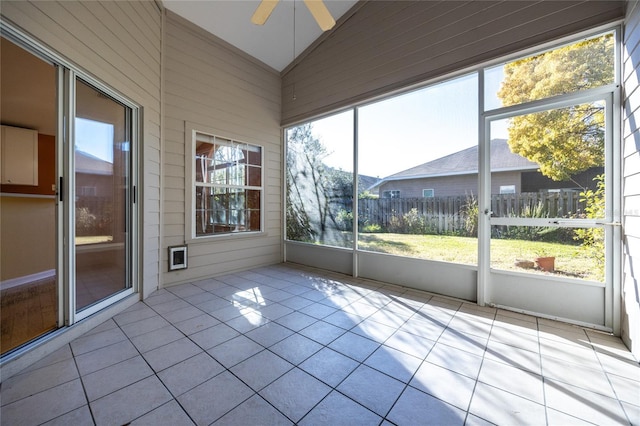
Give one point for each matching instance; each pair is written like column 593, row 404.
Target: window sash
column 227, row 186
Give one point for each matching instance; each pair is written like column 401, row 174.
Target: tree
column 315, row 192
column 566, row 141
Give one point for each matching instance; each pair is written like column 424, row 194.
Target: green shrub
column 344, row 220
column 372, row 228
column 592, row 239
column 470, row 213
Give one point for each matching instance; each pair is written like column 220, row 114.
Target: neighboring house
column 94, row 176
column 457, row 175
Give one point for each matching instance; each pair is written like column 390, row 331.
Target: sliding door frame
column 66, row 75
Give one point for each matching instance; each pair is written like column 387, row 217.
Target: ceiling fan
column 317, row 8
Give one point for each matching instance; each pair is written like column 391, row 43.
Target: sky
column 95, row 138
column 407, row 130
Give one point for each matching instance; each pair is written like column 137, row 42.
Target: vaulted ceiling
column 271, row 43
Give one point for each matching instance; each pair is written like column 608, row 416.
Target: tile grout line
column 361, row 363
column 226, row 369
column 154, row 373
column 296, row 280
column 604, row 371
column 84, row 388
column 475, row 385
column 424, row 359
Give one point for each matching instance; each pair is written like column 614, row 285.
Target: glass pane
column 253, row 210
column 255, row 176
column 102, row 163
column 28, row 273
column 320, row 181
column 418, row 159
column 578, row 66
column 237, row 174
column 552, row 251
column 254, row 156
column 204, row 161
column 204, row 218
column 549, row 165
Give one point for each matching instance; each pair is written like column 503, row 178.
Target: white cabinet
column 19, row 156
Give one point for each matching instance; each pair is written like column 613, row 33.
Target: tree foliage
column 566, row 141
column 315, row 192
column 593, row 238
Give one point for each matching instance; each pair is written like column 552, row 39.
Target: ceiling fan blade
column 263, row 11
column 321, row 14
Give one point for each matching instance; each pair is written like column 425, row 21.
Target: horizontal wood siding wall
column 450, row 186
column 216, row 88
column 387, row 45
column 631, row 179
column 119, row 43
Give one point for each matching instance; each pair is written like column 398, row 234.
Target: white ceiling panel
column 271, row 43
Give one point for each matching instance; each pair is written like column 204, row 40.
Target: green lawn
column 571, row 260
column 94, row 239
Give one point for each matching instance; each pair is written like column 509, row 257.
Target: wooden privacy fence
column 446, row 214
column 449, row 214
column 548, row 204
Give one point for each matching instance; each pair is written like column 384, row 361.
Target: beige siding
column 215, row 88
column 631, row 176
column 387, row 45
column 119, row 43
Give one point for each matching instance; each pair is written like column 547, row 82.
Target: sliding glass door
column 68, row 192
column 102, row 172
column 29, row 276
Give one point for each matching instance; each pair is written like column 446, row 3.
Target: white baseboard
column 14, row 282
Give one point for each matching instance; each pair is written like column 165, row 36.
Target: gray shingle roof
column 90, row 164
column 466, row 162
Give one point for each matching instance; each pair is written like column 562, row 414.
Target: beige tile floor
column 288, row 345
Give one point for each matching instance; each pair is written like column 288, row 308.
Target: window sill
column 225, row 237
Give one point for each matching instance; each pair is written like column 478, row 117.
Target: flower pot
column 546, row 264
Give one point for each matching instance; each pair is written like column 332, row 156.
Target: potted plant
column 545, row 261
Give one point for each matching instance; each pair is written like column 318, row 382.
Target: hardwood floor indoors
column 27, row 311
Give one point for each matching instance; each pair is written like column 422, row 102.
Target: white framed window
column 428, row 193
column 507, row 189
column 391, row 194
column 227, row 186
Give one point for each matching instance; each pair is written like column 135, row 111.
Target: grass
column 94, row 239
column 571, row 260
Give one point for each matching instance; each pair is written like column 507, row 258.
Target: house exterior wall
column 120, row 44
column 534, row 181
column 213, row 88
column 388, row 45
column 630, row 322
column 450, row 186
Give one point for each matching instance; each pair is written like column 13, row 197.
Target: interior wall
column 119, row 43
column 216, row 89
column 24, row 220
column 630, row 323
column 388, row 45
column 28, row 238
